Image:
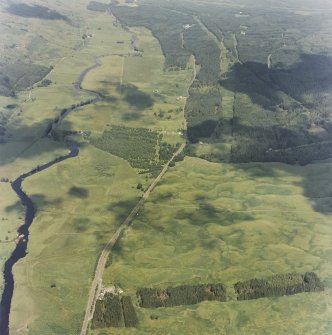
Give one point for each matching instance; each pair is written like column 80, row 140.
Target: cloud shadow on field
column 39, row 201
column 134, row 97
column 36, row 11
column 316, row 184
column 20, row 139
column 122, row 209
column 311, row 74
column 134, row 116
column 78, row 192
column 205, row 213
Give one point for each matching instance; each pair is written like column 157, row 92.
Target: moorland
column 241, row 217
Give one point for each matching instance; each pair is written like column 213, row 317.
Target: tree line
column 180, row 295
column 278, row 285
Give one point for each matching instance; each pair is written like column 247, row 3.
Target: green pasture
column 138, row 91
column 211, row 223
column 11, row 215
column 81, row 201
column 204, row 222
column 25, row 146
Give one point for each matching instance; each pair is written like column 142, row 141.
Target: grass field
column 81, row 201
column 79, row 205
column 204, row 223
column 161, row 95
column 225, row 223
column 11, row 216
column 24, row 147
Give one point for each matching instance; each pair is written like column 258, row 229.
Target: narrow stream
column 23, row 231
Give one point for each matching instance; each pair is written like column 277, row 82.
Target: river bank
column 23, row 231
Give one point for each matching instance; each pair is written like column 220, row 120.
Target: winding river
column 23, row 231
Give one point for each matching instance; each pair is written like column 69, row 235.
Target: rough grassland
column 11, row 215
column 81, row 201
column 165, row 90
column 204, row 223
column 25, row 146
column 78, row 207
column 39, row 108
column 226, row 223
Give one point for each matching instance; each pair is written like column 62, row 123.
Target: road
column 97, row 281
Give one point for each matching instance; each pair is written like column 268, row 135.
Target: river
column 23, row 231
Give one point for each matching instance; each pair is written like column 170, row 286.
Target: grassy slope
column 27, row 129
column 224, row 223
column 246, row 248
column 67, row 235
column 69, row 231
column 38, row 107
column 11, row 215
column 28, row 121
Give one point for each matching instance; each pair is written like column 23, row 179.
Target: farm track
column 97, row 281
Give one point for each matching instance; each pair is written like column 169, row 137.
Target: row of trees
column 181, row 295
column 116, row 311
column 278, row 285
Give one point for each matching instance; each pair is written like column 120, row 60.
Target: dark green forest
column 281, row 83
column 108, row 312
column 180, row 295
column 142, row 148
column 129, row 314
column 114, row 311
column 137, row 145
column 19, row 76
column 278, row 285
